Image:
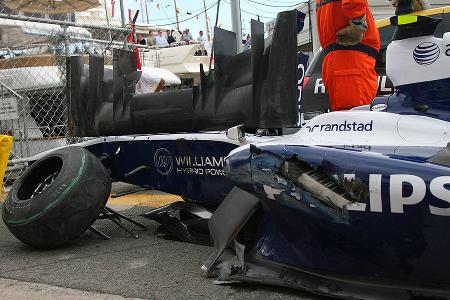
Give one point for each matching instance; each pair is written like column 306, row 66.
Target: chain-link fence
column 35, row 39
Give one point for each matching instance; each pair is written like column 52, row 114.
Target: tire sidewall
column 64, row 209
column 25, row 211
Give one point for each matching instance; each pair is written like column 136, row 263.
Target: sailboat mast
column 142, row 10
column 146, row 12
column 206, row 20
column 176, row 14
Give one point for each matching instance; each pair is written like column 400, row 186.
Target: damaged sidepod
column 322, row 226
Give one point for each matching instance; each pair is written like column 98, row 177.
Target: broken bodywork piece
column 252, row 88
column 228, row 220
column 314, row 181
column 338, row 190
column 182, row 221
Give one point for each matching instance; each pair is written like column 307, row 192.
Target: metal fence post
column 124, row 25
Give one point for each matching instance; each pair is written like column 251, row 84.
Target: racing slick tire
column 57, row 198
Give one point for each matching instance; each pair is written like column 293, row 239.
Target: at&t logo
column 426, row 53
column 163, row 161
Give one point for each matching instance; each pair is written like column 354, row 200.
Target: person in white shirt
column 151, row 41
column 150, row 82
column 160, row 39
column 201, row 37
column 184, row 37
column 188, row 34
column 202, row 40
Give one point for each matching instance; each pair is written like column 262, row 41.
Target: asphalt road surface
column 147, row 267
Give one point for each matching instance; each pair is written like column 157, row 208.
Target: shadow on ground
column 147, row 267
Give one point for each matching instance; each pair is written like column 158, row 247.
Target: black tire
column 57, row 198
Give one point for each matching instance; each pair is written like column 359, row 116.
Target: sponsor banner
column 341, row 127
column 426, row 58
column 379, row 107
column 369, row 128
column 426, row 53
column 166, row 164
column 405, row 191
column 385, row 86
column 189, row 165
column 8, row 109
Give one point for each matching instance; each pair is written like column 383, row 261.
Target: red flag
column 132, row 39
column 113, row 8
column 130, row 14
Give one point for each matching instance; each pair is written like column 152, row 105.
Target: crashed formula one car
column 356, row 204
column 61, row 195
column 353, row 205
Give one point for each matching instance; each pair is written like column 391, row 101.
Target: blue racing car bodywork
column 392, row 225
column 357, row 203
column 190, row 168
column 189, row 165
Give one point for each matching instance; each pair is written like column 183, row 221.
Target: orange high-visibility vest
column 348, row 72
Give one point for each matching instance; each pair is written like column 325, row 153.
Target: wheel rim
column 44, row 184
column 39, row 178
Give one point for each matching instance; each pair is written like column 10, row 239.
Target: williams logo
column 426, row 53
column 163, row 161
